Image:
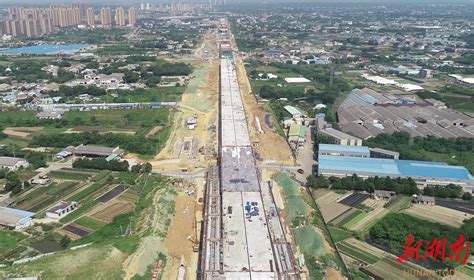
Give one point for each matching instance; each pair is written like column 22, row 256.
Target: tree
column 136, row 168
column 467, row 196
column 147, row 168
column 131, row 77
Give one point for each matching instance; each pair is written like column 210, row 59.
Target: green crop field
column 90, row 223
column 355, row 220
column 87, row 191
column 356, row 253
column 345, row 217
column 398, row 203
column 339, row 234
column 73, row 176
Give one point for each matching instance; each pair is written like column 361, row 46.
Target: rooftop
column 11, row 216
column 339, row 134
column 95, row 150
column 9, row 161
column 343, row 148
column 60, row 206
column 297, row 130
column 294, row 110
column 391, row 167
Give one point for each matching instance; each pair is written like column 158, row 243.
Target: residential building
column 12, row 218
column 423, row 199
column 132, row 16
column 12, row 163
column 383, row 195
column 120, row 16
column 61, row 209
column 90, row 17
column 106, row 17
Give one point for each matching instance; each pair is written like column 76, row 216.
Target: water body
column 46, row 49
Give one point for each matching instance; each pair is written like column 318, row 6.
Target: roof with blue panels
column 343, row 148
column 432, row 170
column 390, row 167
column 386, row 167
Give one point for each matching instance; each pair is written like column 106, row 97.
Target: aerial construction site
column 243, row 237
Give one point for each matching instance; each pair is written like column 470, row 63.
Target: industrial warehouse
column 366, row 113
column 342, row 161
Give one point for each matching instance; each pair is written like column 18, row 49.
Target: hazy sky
column 128, row 2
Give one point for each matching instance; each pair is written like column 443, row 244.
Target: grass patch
column 356, row 253
column 289, row 186
column 294, row 204
column 355, row 220
column 8, row 240
column 339, row 234
column 90, row 223
column 309, row 241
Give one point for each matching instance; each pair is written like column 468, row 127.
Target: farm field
column 360, row 216
column 377, row 212
column 327, row 203
column 438, row 214
column 112, row 242
column 398, row 203
column 356, row 253
column 389, row 268
column 71, row 175
column 345, row 217
column 462, row 206
column 108, row 213
column 42, row 197
column 89, row 223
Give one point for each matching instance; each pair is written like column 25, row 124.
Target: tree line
column 101, row 164
column 131, row 143
column 405, row 186
column 391, row 232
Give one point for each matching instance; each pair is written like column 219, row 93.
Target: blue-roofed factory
column 341, row 161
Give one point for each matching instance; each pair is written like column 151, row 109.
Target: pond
column 46, row 49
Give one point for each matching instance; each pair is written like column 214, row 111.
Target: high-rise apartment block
column 132, row 16
column 120, row 16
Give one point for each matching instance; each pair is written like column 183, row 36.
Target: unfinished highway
column 243, row 237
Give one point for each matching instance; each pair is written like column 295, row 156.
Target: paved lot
column 305, row 158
